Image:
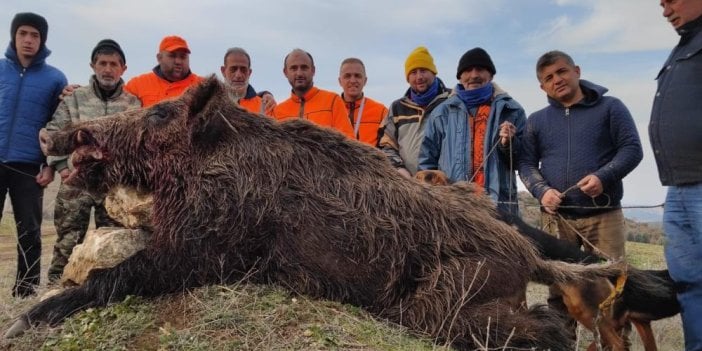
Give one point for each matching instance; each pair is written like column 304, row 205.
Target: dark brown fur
column 648, row 295
column 240, row 196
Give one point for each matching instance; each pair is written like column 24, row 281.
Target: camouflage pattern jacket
column 87, row 103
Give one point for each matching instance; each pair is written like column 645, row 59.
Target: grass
column 243, row 317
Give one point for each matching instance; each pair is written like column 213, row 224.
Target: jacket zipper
column 14, row 112
column 567, row 114
column 302, row 108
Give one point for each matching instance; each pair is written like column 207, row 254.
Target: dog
column 654, row 298
column 607, row 305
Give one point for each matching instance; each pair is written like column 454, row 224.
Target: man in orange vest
column 236, row 72
column 170, row 78
column 365, row 114
column 322, row 107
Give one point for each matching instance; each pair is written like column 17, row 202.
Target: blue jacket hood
column 593, row 94
column 39, row 59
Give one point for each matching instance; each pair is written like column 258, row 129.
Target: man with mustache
column 474, row 134
column 402, row 130
column 322, row 107
column 675, row 130
column 104, row 95
column 236, row 72
column 170, row 78
column 575, row 153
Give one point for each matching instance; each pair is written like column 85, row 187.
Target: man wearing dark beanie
column 104, row 95
column 474, row 135
column 28, row 99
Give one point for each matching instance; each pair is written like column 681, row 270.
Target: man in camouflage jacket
column 103, row 96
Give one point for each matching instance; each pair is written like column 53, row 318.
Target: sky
column 620, row 44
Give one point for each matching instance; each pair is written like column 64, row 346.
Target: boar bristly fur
column 241, row 196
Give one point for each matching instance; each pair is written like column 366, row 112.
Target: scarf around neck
column 475, row 97
column 423, row 99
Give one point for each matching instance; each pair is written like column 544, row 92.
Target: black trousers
column 26, row 197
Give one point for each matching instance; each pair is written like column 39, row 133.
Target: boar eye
column 157, row 117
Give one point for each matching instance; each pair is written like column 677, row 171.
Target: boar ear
column 199, row 96
column 205, row 124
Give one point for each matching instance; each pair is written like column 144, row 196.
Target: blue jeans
column 682, row 223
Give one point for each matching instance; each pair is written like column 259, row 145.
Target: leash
column 21, row 172
column 605, row 307
column 584, row 239
column 512, row 178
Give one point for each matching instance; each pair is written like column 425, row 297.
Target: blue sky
column 620, row 44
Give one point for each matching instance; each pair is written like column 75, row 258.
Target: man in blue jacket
column 575, row 153
column 676, row 137
column 474, row 134
column 29, row 91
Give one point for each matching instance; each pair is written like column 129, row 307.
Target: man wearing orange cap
column 402, row 130
column 170, row 78
column 322, row 107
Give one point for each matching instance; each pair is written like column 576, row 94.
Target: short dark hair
column 107, row 51
column 352, row 60
column 237, row 50
column 550, row 58
column 285, row 60
column 108, row 47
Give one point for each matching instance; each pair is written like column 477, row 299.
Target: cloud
column 603, row 26
column 619, row 44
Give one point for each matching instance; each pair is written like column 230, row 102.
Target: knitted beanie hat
column 419, row 58
column 29, row 19
column 108, row 43
column 476, row 57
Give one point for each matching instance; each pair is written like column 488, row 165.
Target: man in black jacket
column 675, row 130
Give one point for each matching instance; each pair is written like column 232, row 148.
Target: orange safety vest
column 365, row 115
column 252, row 105
column 151, row 89
column 322, row 107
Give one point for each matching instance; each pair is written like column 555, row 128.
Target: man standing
column 29, row 91
column 236, row 72
column 676, row 138
column 402, row 130
column 365, row 114
column 322, row 107
column 575, row 153
column 170, row 78
column 471, row 136
column 104, row 95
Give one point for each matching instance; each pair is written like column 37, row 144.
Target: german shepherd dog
column 646, row 295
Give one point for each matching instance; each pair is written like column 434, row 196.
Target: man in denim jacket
column 474, row 134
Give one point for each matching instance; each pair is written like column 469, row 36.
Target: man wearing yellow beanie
column 402, row 130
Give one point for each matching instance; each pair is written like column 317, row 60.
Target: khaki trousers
column 606, row 231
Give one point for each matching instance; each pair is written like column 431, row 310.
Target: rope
column 584, row 239
column 21, row 172
column 482, row 165
column 661, row 205
column 512, row 178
